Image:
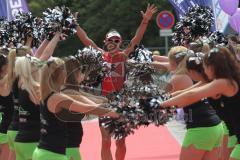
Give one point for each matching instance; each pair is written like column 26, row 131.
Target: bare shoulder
column 181, row 78
column 231, row 87
column 180, row 81
column 58, row 101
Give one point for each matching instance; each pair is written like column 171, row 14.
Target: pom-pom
column 92, row 65
column 196, row 23
column 59, row 19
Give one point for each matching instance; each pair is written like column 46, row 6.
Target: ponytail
column 11, row 67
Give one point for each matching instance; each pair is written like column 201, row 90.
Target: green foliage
column 97, row 17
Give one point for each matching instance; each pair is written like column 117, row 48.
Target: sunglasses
column 113, row 40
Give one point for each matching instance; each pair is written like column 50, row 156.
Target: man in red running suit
column 113, row 82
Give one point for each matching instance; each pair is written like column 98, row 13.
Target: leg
column 213, row 154
column 191, row 153
column 106, row 145
column 121, row 149
column 11, row 141
column 4, row 151
column 232, row 141
column 235, row 155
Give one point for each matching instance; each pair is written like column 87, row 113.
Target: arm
column 141, row 29
column 66, row 102
column 29, row 41
column 96, row 99
column 85, row 97
column 82, row 35
column 160, row 58
column 41, row 48
column 48, row 51
column 216, row 87
column 187, row 89
column 161, row 66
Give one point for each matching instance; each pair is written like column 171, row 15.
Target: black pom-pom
column 59, row 19
column 196, row 23
column 92, row 65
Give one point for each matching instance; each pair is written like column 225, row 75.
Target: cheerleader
column 224, row 72
column 74, row 129
column 6, row 104
column 53, row 141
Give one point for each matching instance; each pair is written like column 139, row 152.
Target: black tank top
column 29, row 119
column 74, row 134
column 6, row 108
column 53, row 136
column 14, row 123
column 200, row 114
column 74, row 127
column 222, row 112
column 232, row 105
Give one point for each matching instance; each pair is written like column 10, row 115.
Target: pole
column 166, row 45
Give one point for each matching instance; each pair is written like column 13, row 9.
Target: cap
column 113, row 34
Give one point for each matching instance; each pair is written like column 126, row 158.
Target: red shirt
column 113, row 81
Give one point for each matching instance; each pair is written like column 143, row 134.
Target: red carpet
column 150, row 143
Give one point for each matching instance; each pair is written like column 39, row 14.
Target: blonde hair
column 11, row 67
column 23, row 51
column 25, row 69
column 179, row 60
column 49, row 77
column 13, row 53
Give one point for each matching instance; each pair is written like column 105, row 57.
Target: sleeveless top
column 232, row 105
column 74, row 126
column 113, row 81
column 53, row 132
column 14, row 123
column 221, row 111
column 29, row 119
column 200, row 114
column 6, row 108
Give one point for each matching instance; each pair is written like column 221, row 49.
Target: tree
column 97, row 17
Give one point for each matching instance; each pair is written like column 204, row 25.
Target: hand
column 149, row 12
column 112, row 114
column 75, row 15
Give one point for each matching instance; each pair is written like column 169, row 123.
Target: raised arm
column 41, row 48
column 48, row 51
column 82, row 35
column 142, row 28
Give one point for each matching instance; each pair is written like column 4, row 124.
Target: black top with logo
column 29, row 119
column 53, row 136
column 221, row 111
column 232, row 105
column 200, row 114
column 6, row 108
column 15, row 118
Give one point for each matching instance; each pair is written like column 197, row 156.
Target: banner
column 10, row 7
column 3, row 8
